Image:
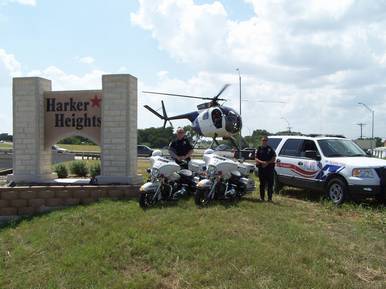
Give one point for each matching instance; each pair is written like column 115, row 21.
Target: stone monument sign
column 69, row 111
column 42, row 117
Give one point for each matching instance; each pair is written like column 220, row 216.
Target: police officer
column 181, row 149
column 265, row 162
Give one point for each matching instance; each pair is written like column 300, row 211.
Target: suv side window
column 308, row 145
column 292, row 148
column 274, row 142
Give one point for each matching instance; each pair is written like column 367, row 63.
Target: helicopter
column 211, row 119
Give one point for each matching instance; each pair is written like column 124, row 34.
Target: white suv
column 335, row 165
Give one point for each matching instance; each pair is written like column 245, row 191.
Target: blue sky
column 320, row 57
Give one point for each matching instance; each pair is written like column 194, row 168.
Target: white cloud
column 321, row 57
column 307, row 110
column 185, row 30
column 87, row 60
column 283, row 38
column 22, row 2
column 324, row 56
column 9, row 67
column 64, row 81
column 27, row 2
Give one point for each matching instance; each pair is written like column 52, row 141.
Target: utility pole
column 289, row 127
column 238, row 70
column 372, row 124
column 361, row 125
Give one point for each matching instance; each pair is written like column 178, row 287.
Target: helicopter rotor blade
column 221, row 91
column 164, row 109
column 153, row 111
column 180, row 95
column 270, row 101
column 264, row 101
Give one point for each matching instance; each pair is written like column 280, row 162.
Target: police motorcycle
column 226, row 180
column 167, row 181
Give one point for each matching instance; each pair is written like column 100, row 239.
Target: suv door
column 309, row 165
column 294, row 167
column 287, row 159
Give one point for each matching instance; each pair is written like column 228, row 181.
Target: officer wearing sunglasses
column 265, row 162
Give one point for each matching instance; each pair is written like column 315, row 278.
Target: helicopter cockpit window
column 232, row 120
column 217, row 118
column 205, row 115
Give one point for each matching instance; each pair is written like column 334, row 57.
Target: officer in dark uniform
column 181, row 149
column 265, row 162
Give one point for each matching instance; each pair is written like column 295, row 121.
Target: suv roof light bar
column 324, row 135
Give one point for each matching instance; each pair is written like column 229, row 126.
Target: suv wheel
column 337, row 191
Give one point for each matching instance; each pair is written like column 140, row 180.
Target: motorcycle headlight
column 211, row 170
column 363, row 173
column 154, row 172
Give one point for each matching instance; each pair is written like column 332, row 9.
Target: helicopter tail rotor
column 163, row 117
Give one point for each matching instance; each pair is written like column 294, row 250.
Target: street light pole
column 238, row 70
column 372, row 124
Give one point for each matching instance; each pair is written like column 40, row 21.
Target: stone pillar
column 31, row 159
column 119, row 130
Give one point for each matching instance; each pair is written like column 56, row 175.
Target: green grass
column 72, row 148
column 6, row 146
column 292, row 243
column 81, row 148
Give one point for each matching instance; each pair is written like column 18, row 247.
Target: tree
column 6, row 137
column 378, row 142
column 155, row 137
column 254, row 139
column 76, row 140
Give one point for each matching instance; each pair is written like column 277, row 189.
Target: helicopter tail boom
column 190, row 116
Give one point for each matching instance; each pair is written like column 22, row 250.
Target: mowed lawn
column 5, row 146
column 80, row 148
column 293, row 243
column 72, row 148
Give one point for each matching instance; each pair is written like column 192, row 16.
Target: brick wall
column 21, row 201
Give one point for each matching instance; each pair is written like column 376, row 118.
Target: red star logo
column 96, row 101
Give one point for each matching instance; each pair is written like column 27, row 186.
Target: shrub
column 79, row 168
column 95, row 170
column 61, row 170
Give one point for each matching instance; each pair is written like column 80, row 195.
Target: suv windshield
column 274, row 142
column 340, row 148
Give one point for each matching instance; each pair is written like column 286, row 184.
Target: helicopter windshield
column 233, row 122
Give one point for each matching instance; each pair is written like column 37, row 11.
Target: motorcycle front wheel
column 146, row 200
column 200, row 198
